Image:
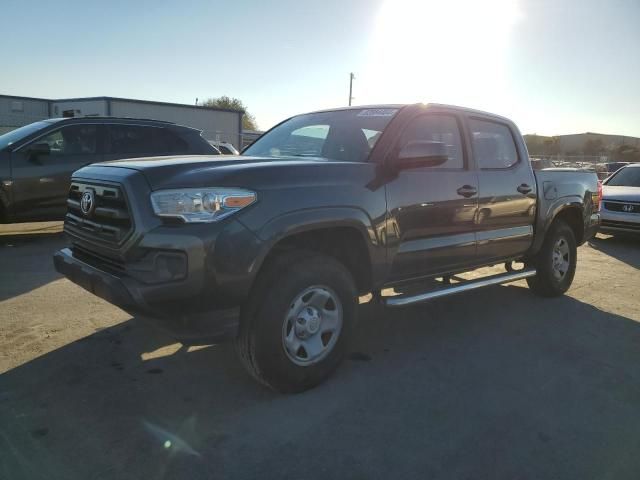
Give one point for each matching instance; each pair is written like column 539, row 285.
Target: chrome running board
column 403, row 300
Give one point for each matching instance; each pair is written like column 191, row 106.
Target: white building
column 216, row 124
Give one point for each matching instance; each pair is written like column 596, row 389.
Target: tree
column 534, row 144
column 625, row 153
column 248, row 120
column 541, row 145
column 551, row 145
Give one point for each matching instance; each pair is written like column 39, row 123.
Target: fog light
column 171, row 266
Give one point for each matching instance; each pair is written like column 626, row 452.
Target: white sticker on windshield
column 378, row 112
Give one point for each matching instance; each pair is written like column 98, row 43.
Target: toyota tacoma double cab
column 274, row 247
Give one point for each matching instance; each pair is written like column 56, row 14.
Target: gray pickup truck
column 274, row 247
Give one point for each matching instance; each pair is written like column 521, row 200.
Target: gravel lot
column 494, row 384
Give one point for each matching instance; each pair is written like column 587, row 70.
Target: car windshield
column 626, row 177
column 19, row 133
column 343, row 135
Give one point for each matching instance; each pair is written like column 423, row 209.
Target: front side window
column 493, row 145
column 342, row 135
column 437, row 128
column 18, row 134
column 72, row 140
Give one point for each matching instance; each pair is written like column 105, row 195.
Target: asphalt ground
column 492, row 384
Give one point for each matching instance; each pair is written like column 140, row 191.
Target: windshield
column 626, row 177
column 19, row 133
column 343, row 135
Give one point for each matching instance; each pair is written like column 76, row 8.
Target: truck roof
column 439, row 106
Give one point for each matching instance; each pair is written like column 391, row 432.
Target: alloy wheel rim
column 560, row 259
column 312, row 325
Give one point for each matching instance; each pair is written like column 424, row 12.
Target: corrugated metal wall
column 81, row 108
column 16, row 112
column 215, row 124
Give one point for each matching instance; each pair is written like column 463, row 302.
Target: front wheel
column 555, row 262
column 298, row 322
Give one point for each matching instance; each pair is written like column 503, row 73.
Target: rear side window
column 437, row 128
column 173, row 142
column 493, row 145
column 134, row 139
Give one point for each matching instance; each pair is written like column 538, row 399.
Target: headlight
column 198, row 205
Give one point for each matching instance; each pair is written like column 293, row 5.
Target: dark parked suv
column 37, row 160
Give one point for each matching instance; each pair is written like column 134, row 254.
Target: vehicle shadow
column 622, row 247
column 493, row 384
column 26, row 254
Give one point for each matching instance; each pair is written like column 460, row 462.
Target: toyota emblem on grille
column 627, row 208
column 87, row 203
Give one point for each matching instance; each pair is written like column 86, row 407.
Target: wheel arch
column 346, row 234
column 571, row 213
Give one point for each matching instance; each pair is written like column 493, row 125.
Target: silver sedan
column 620, row 207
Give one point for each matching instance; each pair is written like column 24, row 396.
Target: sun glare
column 448, row 51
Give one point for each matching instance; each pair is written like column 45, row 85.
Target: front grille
column 625, row 225
column 622, row 206
column 106, row 264
column 109, row 221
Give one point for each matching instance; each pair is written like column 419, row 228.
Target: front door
column 432, row 209
column 41, row 181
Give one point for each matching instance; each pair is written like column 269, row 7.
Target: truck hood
column 626, row 194
column 222, row 170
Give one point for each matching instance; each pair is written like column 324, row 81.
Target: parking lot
column 495, row 384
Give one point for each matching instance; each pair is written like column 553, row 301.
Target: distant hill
column 588, row 143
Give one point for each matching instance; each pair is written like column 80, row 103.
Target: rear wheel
column 298, row 322
column 555, row 262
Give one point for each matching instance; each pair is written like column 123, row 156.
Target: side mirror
column 421, row 153
column 38, row 149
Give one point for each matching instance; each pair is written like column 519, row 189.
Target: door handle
column 467, row 191
column 524, row 189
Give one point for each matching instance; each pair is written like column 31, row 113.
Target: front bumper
column 619, row 222
column 592, row 226
column 180, row 318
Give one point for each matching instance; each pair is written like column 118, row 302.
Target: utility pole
column 351, row 77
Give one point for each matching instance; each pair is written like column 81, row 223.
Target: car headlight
column 200, row 205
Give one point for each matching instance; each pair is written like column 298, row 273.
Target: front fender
column 304, row 220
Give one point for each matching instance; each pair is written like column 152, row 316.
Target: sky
column 553, row 66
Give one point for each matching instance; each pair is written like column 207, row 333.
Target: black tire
column 260, row 340
column 547, row 282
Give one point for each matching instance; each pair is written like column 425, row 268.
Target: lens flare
column 451, row 52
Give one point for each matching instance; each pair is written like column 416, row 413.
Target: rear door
column 507, row 202
column 432, row 209
column 41, row 182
